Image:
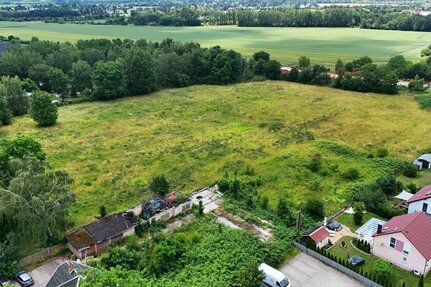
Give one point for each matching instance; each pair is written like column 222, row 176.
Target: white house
column 420, row 201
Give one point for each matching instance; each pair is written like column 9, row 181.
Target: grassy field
column 192, row 135
column 398, row 275
column 322, row 45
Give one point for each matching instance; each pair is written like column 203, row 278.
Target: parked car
column 356, row 260
column 24, row 279
column 4, row 282
column 273, row 277
column 333, row 225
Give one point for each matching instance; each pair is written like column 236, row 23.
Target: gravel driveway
column 42, row 273
column 306, row 271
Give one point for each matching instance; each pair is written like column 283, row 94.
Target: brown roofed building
column 95, row 237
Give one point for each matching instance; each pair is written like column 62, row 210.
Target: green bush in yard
column 424, row 101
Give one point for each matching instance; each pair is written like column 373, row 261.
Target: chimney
column 379, row 228
column 325, row 221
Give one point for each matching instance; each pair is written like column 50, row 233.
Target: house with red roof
column 405, row 242
column 318, row 234
column 420, row 201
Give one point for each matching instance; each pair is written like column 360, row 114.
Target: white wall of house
column 129, row 232
column 323, row 243
column 418, row 206
column 409, row 258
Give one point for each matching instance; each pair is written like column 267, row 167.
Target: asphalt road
column 306, row 271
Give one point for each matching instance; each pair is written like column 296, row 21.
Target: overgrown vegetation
column 227, row 257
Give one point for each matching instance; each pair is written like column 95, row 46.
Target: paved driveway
column 306, row 271
column 42, row 273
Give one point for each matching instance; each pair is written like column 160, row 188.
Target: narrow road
column 306, row 271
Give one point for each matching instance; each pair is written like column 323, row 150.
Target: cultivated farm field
column 193, row 135
column 322, row 45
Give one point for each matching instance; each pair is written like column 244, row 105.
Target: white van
column 273, row 277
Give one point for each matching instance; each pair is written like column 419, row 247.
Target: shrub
column 351, row 174
column 273, row 126
column 382, row 269
column 42, row 110
column 315, row 164
column 159, row 185
column 382, row 152
column 417, row 84
column 412, row 187
column 410, row 171
column 315, row 208
column 424, row 101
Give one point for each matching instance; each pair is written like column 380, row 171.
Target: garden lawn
column 322, row 45
column 193, row 135
column 347, row 219
column 399, row 276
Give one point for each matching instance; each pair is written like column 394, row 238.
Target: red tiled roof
column 320, row 234
column 424, row 193
column 416, row 227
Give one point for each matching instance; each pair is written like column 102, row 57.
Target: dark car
column 333, row 225
column 4, row 282
column 356, row 260
column 24, row 279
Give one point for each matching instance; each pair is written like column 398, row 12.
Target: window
column 405, row 259
column 392, row 243
column 425, row 207
column 406, row 249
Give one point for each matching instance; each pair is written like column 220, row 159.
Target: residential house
column 420, row 201
column 423, row 162
column 67, row 274
column 404, row 241
column 318, row 234
column 95, row 237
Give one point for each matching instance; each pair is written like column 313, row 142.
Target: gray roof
column 66, row 275
column 426, row 157
column 110, row 226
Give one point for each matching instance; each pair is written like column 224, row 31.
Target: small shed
column 318, row 234
column 404, row 196
column 423, row 162
column 95, row 237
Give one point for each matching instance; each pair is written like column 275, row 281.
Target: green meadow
column 322, row 45
column 193, row 135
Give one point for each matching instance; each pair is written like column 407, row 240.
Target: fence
column 43, row 254
column 171, row 212
column 337, row 266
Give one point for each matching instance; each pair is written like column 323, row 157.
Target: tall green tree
column 139, row 69
column 42, row 110
column 36, row 201
column 304, row 62
column 81, row 77
column 358, row 212
column 16, row 98
column 5, row 113
column 109, row 81
column 58, row 82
